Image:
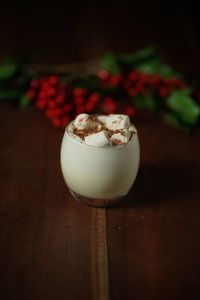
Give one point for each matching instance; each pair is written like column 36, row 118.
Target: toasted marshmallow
column 83, row 121
column 99, row 139
column 121, row 138
column 116, row 122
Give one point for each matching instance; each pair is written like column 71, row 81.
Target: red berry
column 67, row 107
column 154, row 80
column 34, row 83
column 59, row 99
column 45, row 85
column 80, row 109
column 49, row 113
column 51, row 104
column 42, row 94
column 103, row 74
column 143, row 77
column 31, row 94
column 92, row 102
column 51, row 91
column 112, row 108
column 139, row 87
column 79, row 100
column 133, row 76
column 115, row 80
column 89, row 106
column 80, row 92
column 132, row 92
column 164, row 92
column 110, row 105
column 94, row 97
column 56, row 122
column 65, row 121
column 58, row 112
column 108, row 100
column 130, row 111
column 41, row 104
column 53, row 80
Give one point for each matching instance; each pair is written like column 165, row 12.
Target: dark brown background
column 51, row 247
column 79, row 30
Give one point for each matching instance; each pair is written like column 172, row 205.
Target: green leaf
column 110, row 63
column 7, row 71
column 24, row 101
column 8, row 94
column 173, row 120
column 184, row 106
column 90, row 82
column 156, row 66
column 148, row 102
column 140, row 56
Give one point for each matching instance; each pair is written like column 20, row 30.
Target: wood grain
column 51, row 246
column 153, row 237
column 99, row 255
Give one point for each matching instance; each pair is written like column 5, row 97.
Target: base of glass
column 96, row 202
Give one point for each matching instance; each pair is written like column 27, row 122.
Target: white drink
column 99, row 173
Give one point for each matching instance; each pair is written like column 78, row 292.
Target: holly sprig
column 14, row 80
column 154, row 85
column 122, row 84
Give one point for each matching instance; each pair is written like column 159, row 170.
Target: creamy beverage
column 100, row 158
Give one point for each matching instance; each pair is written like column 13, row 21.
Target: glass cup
column 99, row 176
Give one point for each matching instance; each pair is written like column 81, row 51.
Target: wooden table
column 53, row 247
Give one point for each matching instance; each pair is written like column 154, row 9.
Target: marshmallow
column 103, row 119
column 121, row 138
column 99, row 139
column 101, row 129
column 83, row 121
column 116, row 122
column 132, row 129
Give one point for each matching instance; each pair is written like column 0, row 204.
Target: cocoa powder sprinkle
column 83, row 133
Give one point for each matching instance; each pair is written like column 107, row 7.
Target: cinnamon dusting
column 83, row 133
column 111, row 132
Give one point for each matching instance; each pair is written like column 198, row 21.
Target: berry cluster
column 139, row 83
column 61, row 102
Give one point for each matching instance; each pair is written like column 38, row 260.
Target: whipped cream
column 102, row 130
